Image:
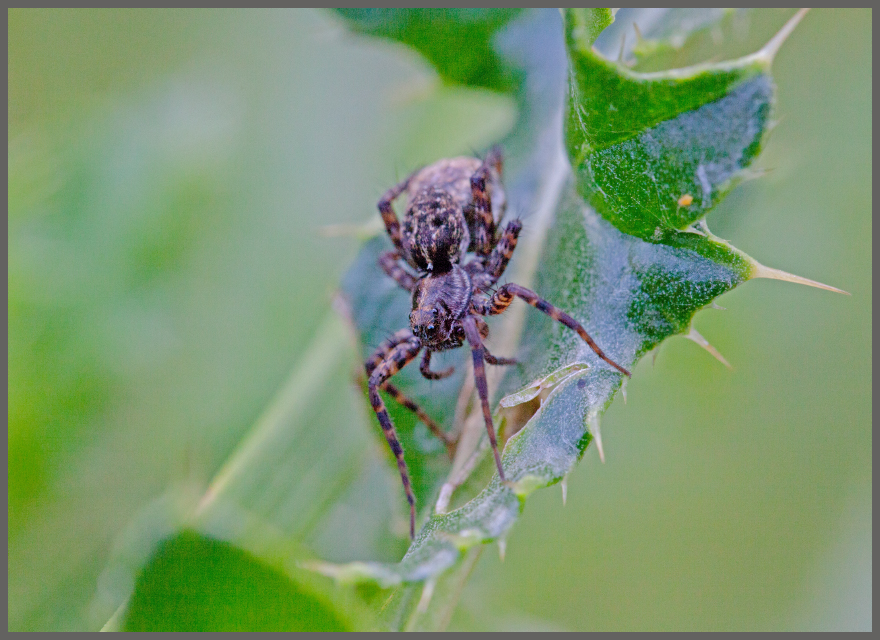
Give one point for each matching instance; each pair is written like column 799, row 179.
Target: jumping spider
column 449, row 215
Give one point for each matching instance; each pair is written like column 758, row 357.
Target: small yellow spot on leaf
column 686, row 200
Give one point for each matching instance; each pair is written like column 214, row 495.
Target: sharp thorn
column 622, row 47
column 760, row 271
column 638, row 31
column 502, row 548
column 623, row 389
column 564, row 484
column 427, row 594
column 769, row 50
column 597, row 435
column 715, row 305
column 746, row 175
column 444, row 497
column 694, row 335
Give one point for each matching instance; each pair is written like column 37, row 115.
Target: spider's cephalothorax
column 439, row 303
column 449, row 215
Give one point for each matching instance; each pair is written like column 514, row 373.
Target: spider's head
column 435, row 231
column 432, row 325
column 439, row 302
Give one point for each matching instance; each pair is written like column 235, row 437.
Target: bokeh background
column 171, row 175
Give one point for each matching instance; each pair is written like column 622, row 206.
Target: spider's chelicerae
column 448, row 216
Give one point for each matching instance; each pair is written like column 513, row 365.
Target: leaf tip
column 585, row 25
column 761, row 271
column 768, row 52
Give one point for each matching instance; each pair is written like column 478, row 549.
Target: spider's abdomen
column 450, row 175
column 435, row 232
column 439, row 222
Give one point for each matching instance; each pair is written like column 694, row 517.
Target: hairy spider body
column 439, row 302
column 449, row 215
column 444, row 218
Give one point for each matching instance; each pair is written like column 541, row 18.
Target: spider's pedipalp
column 483, row 328
column 425, row 368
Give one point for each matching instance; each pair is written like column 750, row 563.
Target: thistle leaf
column 623, row 249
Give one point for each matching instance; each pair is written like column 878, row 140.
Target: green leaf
column 160, row 288
column 195, row 583
column 608, row 248
column 655, row 152
column 655, row 39
column 436, row 32
column 587, row 25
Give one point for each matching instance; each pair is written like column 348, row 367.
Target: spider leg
column 495, row 158
column 496, row 263
column 425, row 368
column 385, row 348
column 378, row 356
column 390, row 265
column 392, row 224
column 435, row 428
column 398, row 357
column 483, row 328
column 504, row 296
column 493, row 360
column 478, row 352
column 485, row 222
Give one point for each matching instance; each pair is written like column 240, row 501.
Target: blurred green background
column 170, row 173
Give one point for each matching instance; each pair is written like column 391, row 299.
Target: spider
column 448, row 216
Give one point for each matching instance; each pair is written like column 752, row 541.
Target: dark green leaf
column 654, row 152
column 194, row 583
column 436, row 32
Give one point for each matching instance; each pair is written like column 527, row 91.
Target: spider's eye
column 430, row 328
column 434, row 313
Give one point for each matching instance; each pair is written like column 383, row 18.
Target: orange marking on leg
column 510, row 289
